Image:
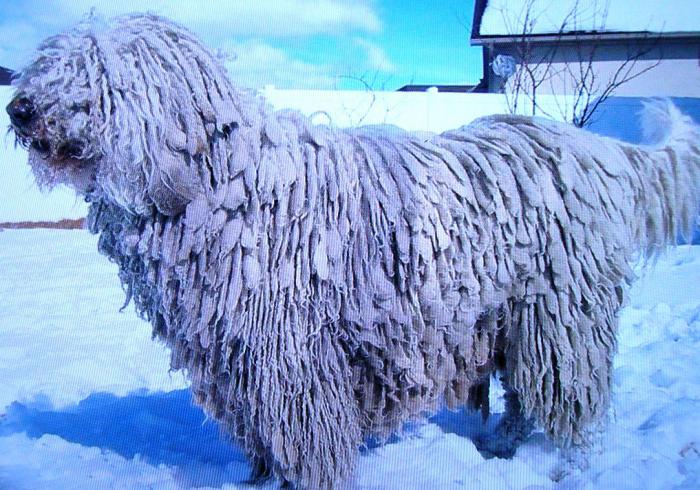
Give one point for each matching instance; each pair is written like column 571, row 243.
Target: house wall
column 676, row 75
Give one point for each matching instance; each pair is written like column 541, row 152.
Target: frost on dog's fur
column 321, row 285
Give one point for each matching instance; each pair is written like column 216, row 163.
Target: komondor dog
column 321, row 285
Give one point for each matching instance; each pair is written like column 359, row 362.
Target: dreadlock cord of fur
column 321, row 285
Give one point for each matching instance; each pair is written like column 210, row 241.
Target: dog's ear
column 171, row 105
column 172, row 186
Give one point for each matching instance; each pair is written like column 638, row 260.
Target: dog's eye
column 41, row 146
column 84, row 107
column 70, row 149
column 229, row 128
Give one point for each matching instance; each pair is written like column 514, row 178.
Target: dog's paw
column 496, row 446
column 262, row 475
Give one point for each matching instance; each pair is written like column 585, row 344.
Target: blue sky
column 321, row 44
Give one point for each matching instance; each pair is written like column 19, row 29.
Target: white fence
column 418, row 111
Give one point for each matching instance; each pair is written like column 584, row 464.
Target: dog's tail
column 670, row 197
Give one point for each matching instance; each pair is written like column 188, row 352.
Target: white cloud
column 220, row 24
column 286, row 17
column 377, row 59
column 278, row 18
column 257, row 64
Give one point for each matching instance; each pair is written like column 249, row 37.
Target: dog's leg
column 559, row 363
column 261, row 472
column 512, row 430
column 303, row 409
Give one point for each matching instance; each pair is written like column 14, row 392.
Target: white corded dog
column 321, row 285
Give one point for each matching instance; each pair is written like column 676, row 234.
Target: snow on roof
column 506, row 17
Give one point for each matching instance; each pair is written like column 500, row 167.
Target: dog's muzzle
column 26, row 123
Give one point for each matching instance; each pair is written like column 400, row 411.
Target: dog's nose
column 21, row 111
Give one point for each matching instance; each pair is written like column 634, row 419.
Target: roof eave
column 479, row 8
column 480, row 40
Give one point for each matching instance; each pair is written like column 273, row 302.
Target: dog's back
column 532, row 224
column 574, row 208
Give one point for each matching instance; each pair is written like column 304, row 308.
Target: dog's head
column 130, row 111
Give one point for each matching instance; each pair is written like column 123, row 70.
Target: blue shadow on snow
column 167, row 428
column 163, row 428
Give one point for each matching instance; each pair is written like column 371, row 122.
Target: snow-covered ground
column 86, row 400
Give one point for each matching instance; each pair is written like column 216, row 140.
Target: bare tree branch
column 370, row 83
column 540, row 64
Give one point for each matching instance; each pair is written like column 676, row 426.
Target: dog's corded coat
column 320, row 284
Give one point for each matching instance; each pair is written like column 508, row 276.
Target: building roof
column 440, row 88
column 5, row 76
column 501, row 20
